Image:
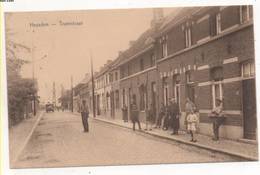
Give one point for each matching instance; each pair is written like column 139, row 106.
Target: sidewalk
column 20, row 134
column 245, row 151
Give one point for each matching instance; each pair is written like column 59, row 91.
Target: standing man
column 174, row 116
column 84, row 115
column 134, row 114
column 218, row 118
column 124, row 113
column 161, row 116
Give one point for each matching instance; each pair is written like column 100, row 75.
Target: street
column 59, row 141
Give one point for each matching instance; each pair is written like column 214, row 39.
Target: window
column 128, row 69
column 111, row 78
column 164, row 47
column 108, row 101
column 187, row 37
column 246, row 14
column 216, row 92
column 117, row 99
column 141, row 64
column 248, row 69
column 123, row 98
column 176, row 85
column 218, row 23
column 116, row 76
column 217, row 77
column 165, row 92
column 143, row 97
column 152, row 60
column 188, row 77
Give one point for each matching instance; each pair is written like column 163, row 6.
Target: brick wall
column 214, row 54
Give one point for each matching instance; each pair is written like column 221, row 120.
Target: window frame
column 164, row 47
column 251, row 67
column 165, row 91
column 152, row 60
column 143, row 97
column 248, row 18
column 218, row 23
column 141, row 64
column 214, row 84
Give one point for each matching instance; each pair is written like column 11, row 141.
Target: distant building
column 103, row 90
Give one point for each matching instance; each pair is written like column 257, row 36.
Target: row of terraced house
column 202, row 53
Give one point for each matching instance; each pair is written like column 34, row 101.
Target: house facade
column 200, row 53
column 206, row 53
column 103, row 91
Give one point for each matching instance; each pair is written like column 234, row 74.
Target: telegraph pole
column 54, row 94
column 93, row 88
column 33, row 77
column 71, row 80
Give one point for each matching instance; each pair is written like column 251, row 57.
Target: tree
column 21, row 91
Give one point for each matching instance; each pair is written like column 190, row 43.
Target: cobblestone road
column 59, row 141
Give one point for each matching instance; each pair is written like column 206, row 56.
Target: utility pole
column 33, row 77
column 54, row 94
column 71, row 80
column 93, row 87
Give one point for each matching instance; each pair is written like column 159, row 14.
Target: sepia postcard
column 131, row 86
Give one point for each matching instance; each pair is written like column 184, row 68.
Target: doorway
column 249, row 108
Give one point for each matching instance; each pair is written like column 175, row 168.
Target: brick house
column 206, row 53
column 114, row 77
column 138, row 74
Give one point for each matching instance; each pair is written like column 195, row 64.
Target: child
column 192, row 120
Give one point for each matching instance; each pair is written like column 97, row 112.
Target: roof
column 179, row 16
column 145, row 41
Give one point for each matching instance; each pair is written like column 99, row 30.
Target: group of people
column 169, row 117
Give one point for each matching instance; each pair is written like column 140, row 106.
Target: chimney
column 131, row 43
column 120, row 53
column 109, row 61
column 157, row 17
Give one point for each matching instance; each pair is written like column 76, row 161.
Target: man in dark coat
column 161, row 116
column 84, row 115
column 124, row 112
column 174, row 112
column 135, row 115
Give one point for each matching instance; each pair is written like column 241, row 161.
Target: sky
column 63, row 51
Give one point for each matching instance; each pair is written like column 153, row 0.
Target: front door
column 191, row 92
column 249, row 108
column 98, row 105
column 154, row 100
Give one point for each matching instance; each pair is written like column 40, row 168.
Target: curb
column 28, row 137
column 198, row 145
